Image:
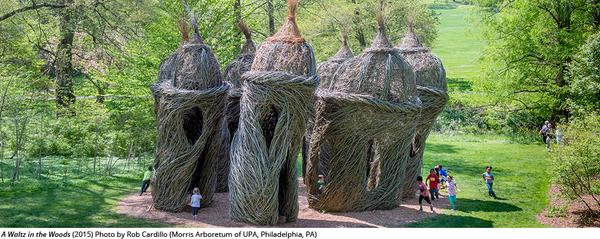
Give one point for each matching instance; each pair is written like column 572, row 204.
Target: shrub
column 585, row 78
column 575, row 162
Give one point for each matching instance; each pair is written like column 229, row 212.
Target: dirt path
column 567, row 214
column 216, row 215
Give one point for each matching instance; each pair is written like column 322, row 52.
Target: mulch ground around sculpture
column 216, row 215
column 568, row 214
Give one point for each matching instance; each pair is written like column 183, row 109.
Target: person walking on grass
column 488, row 177
column 433, row 180
column 146, row 180
column 559, row 135
column 544, row 131
column 195, row 202
column 443, row 175
column 451, row 185
column 423, row 194
column 549, row 135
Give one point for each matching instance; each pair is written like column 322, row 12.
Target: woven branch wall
column 432, row 88
column 364, row 126
column 325, row 71
column 277, row 94
column 190, row 100
column 233, row 75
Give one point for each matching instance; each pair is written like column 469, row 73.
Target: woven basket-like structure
column 433, row 92
column 364, row 126
column 277, row 93
column 325, row 71
column 233, row 75
column 190, row 98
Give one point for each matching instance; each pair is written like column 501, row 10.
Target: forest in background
column 75, row 75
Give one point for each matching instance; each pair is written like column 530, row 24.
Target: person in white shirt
column 196, row 197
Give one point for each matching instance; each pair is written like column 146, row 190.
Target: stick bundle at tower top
column 277, row 93
column 364, row 125
column 190, row 97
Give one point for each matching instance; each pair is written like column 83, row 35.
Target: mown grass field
column 521, row 182
column 459, row 43
column 84, row 202
column 522, row 179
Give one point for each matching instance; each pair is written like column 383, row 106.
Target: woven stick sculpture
column 191, row 97
column 364, row 127
column 325, row 71
column 432, row 88
column 233, row 75
column 277, row 92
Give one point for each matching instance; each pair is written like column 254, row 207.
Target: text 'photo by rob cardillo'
column 360, row 123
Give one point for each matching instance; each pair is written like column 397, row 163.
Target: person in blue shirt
column 443, row 175
column 488, row 177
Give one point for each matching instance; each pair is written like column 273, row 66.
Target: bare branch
column 29, row 8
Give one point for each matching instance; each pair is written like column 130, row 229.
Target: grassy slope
column 522, row 181
column 521, row 178
column 460, row 45
column 75, row 203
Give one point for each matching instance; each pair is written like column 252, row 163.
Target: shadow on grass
column 85, row 203
column 474, row 205
column 442, row 6
column 452, row 221
column 459, row 84
column 441, row 148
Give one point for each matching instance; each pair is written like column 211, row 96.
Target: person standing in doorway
column 195, row 202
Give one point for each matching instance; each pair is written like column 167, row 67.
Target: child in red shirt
column 433, row 184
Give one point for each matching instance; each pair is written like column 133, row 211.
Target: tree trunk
column 237, row 8
column 15, row 175
column 270, row 11
column 65, row 96
column 96, row 144
column 596, row 13
column 1, row 160
column 101, row 89
column 360, row 35
column 2, row 104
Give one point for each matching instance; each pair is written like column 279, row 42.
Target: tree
column 77, row 36
column 358, row 19
column 530, row 45
column 584, row 77
column 575, row 163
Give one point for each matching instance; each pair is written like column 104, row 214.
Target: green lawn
column 459, row 44
column 521, row 180
column 521, row 183
column 86, row 202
